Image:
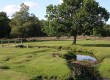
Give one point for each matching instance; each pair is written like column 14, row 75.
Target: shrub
column 20, row 46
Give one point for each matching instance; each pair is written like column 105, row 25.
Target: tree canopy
column 4, row 25
column 75, row 17
column 24, row 24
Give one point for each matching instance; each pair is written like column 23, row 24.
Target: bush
column 20, row 46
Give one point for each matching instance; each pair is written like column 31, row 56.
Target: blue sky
column 38, row 7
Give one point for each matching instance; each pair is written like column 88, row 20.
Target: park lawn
column 30, row 63
column 102, row 47
column 104, row 68
column 20, row 63
column 101, row 51
column 49, row 43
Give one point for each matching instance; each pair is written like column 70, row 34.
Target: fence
column 6, row 43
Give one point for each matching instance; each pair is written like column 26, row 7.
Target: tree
column 19, row 18
column 76, row 17
column 52, row 26
column 32, row 27
column 25, row 24
column 4, row 25
column 105, row 31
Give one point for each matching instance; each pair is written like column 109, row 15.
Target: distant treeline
column 24, row 25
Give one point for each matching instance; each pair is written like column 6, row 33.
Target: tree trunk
column 74, row 41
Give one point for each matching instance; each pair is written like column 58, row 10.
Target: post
column 15, row 43
column 9, row 43
column 27, row 46
column 21, row 42
column 1, row 43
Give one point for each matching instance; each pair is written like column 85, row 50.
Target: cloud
column 11, row 9
column 31, row 4
column 61, row 1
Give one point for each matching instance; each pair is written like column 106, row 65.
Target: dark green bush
column 20, row 46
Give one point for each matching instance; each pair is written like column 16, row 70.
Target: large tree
column 74, row 17
column 4, row 25
column 25, row 24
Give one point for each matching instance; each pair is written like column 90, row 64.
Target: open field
column 24, row 64
column 101, row 46
column 29, row 63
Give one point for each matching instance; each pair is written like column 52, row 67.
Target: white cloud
column 11, row 9
column 61, row 1
column 31, row 4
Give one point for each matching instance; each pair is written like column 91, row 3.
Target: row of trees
column 23, row 24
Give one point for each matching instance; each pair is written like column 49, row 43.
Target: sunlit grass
column 33, row 62
column 105, row 68
column 12, row 75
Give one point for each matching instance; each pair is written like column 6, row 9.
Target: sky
column 38, row 7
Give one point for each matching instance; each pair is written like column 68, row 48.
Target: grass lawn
column 101, row 47
column 27, row 63
column 105, row 68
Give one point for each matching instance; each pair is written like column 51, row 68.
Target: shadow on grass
column 95, row 45
column 70, row 56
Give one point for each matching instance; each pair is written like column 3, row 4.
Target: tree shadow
column 70, row 56
column 95, row 45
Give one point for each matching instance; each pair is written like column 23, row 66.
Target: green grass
column 101, row 51
column 33, row 62
column 104, row 68
column 27, row 63
column 102, row 47
column 12, row 75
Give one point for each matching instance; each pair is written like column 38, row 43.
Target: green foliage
column 52, row 26
column 75, row 17
column 24, row 24
column 105, row 31
column 4, row 25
